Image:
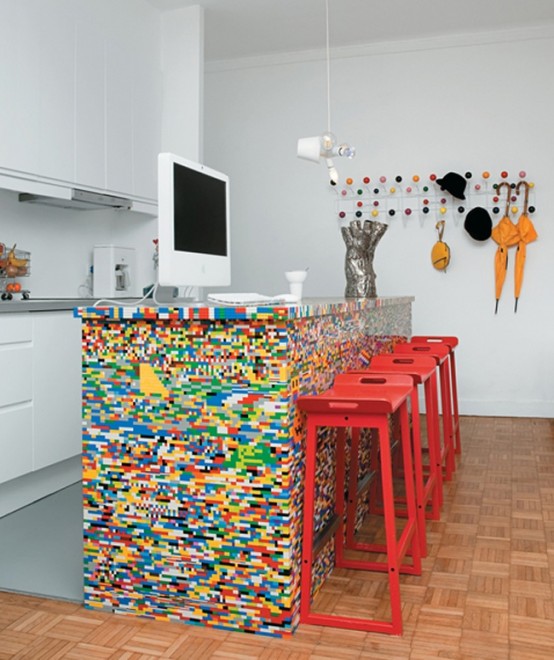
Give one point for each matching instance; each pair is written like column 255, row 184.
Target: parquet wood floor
column 487, row 589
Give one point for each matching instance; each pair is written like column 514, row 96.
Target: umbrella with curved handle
column 527, row 234
column 506, row 234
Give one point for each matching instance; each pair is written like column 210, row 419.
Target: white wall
column 183, row 81
column 409, row 108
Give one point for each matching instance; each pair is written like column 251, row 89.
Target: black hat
column 478, row 224
column 454, row 183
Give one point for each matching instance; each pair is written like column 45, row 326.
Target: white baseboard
column 540, row 409
column 25, row 490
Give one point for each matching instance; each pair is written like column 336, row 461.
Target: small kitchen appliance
column 114, row 272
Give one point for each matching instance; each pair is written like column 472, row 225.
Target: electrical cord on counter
column 149, row 295
column 126, row 303
column 85, row 290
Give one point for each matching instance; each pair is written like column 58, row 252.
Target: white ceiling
column 245, row 28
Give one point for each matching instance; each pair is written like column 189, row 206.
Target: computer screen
column 193, row 224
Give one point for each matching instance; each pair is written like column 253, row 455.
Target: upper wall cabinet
column 80, row 93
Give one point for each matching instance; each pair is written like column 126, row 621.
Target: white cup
column 296, row 278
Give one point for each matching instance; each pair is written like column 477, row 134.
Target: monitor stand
column 188, row 296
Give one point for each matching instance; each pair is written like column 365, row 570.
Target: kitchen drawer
column 16, row 441
column 16, row 383
column 15, row 328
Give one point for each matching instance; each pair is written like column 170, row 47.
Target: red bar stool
column 365, row 401
column 451, row 342
column 428, row 482
column 440, row 353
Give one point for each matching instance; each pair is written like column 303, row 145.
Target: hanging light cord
column 328, row 67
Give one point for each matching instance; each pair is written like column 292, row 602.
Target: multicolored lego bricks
column 193, row 454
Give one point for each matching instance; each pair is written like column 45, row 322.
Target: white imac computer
column 193, row 224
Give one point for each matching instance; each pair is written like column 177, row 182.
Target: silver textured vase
column 361, row 241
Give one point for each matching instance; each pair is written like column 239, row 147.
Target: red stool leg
column 410, row 536
column 390, row 528
column 435, row 464
column 448, row 436
column 340, row 450
column 352, row 506
column 418, row 472
column 308, row 522
column 456, row 415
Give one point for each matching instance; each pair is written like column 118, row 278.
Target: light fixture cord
column 328, row 67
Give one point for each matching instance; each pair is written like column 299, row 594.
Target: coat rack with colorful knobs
column 385, row 199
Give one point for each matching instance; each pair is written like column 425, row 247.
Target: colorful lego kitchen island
column 193, row 452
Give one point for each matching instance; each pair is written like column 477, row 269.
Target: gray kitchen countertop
column 44, row 304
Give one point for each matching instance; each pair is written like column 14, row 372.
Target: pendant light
column 325, row 145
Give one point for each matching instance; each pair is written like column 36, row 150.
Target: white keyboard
column 251, row 299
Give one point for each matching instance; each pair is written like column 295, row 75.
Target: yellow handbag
column 440, row 254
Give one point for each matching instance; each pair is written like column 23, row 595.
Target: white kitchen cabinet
column 147, row 124
column 56, row 85
column 119, row 113
column 40, row 391
column 90, row 95
column 80, row 94
column 19, row 85
column 16, row 413
column 56, row 387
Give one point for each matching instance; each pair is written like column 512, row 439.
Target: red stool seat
column 452, row 343
column 361, row 401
